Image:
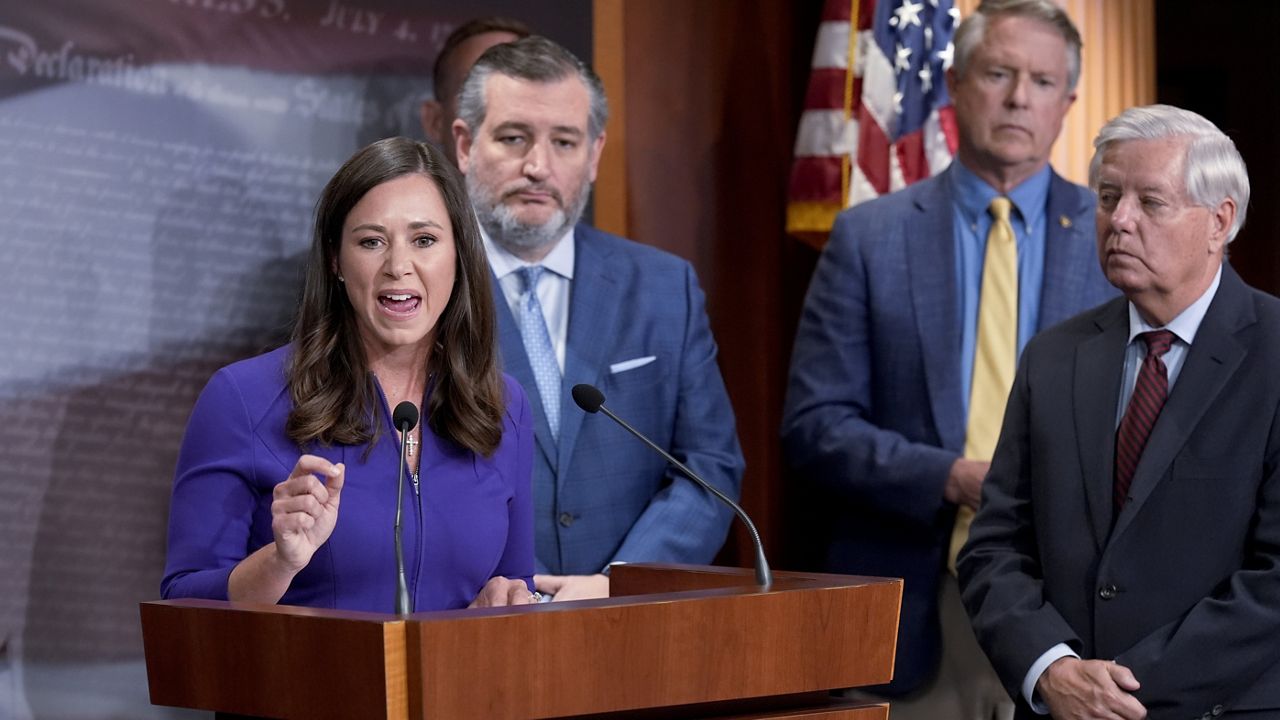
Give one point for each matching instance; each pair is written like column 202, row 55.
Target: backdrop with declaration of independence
column 159, row 163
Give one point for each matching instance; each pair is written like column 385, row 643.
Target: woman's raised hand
column 304, row 509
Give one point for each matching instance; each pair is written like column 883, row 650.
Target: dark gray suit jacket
column 1183, row 587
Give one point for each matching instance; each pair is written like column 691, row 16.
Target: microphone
column 404, row 417
column 590, row 399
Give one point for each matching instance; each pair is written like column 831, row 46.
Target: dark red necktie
column 1148, row 398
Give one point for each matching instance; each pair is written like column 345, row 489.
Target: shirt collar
column 973, row 195
column 1186, row 324
column 558, row 261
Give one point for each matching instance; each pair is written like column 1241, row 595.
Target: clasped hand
column 964, row 482
column 1076, row 689
column 573, row 587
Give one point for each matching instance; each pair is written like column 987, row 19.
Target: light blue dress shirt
column 1183, row 327
column 972, row 221
column 553, row 290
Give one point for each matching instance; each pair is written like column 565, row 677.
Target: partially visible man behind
column 1126, row 559
column 459, row 52
column 908, row 340
column 578, row 305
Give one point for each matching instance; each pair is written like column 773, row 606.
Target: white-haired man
column 1125, row 562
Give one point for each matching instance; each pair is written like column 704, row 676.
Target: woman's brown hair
column 333, row 392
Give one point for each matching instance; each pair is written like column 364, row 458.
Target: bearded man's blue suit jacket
column 600, row 495
column 874, row 414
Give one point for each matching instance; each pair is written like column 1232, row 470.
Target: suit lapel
column 931, row 261
column 593, row 329
column 1070, row 253
column 1209, row 365
column 1095, row 387
column 515, row 361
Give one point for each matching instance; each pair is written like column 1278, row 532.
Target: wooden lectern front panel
column 809, row 633
column 275, row 662
column 679, row 642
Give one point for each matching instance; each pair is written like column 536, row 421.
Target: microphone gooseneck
column 590, row 399
column 405, row 418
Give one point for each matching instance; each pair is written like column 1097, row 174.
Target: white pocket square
column 626, row 365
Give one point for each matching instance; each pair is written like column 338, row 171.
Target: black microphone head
column 588, row 397
column 405, row 416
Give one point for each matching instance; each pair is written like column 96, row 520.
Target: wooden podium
column 674, row 641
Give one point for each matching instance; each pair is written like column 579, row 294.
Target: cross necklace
column 411, row 443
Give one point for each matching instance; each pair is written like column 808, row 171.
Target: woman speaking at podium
column 286, row 485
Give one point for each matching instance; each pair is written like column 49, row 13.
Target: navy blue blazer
column 1185, row 588
column 874, row 414
column 638, row 330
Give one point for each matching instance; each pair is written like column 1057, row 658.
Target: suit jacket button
column 1107, row 592
column 566, row 519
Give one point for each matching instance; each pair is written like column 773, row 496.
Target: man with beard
column 577, row 305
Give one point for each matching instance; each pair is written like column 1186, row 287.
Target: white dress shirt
column 553, row 288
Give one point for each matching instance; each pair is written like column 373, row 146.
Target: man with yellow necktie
column 910, row 333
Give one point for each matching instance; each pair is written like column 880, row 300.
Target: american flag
column 883, row 125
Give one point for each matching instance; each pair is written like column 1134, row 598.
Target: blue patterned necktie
column 537, row 344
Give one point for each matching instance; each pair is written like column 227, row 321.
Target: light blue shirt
column 553, row 288
column 972, row 221
column 1184, row 328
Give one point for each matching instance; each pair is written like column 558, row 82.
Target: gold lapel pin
column 1064, row 221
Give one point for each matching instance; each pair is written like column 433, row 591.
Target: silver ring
column 535, row 596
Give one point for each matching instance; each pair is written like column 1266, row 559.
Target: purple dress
column 472, row 518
